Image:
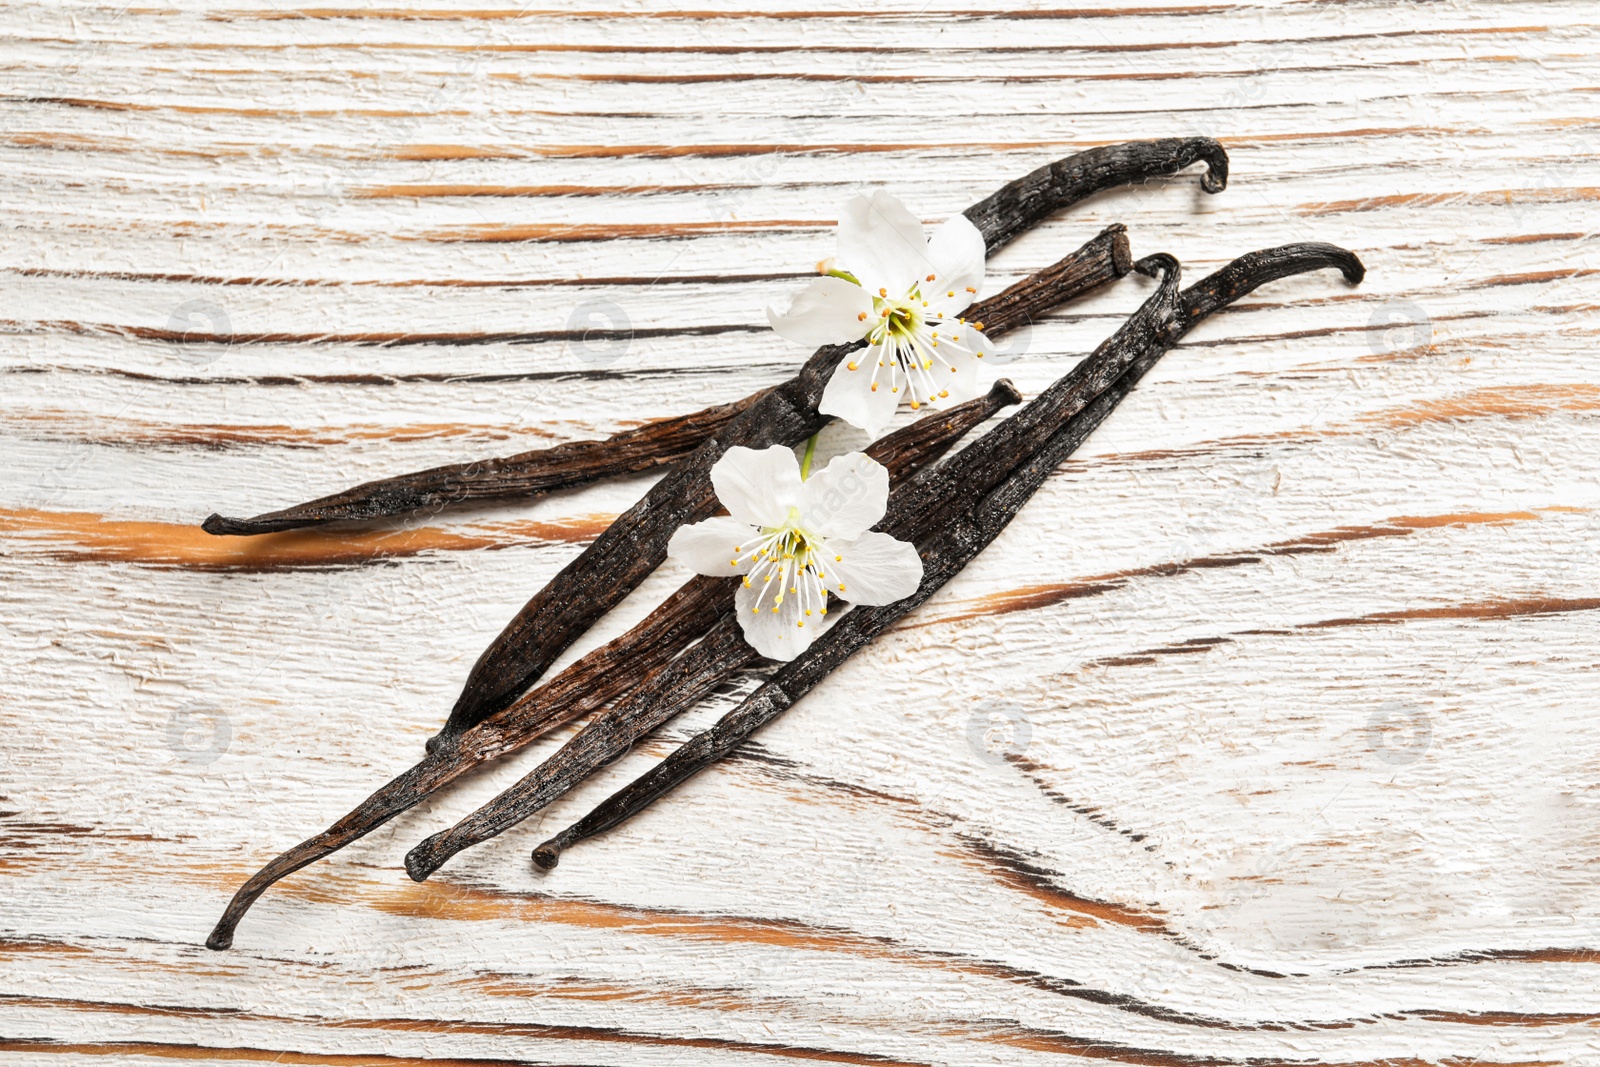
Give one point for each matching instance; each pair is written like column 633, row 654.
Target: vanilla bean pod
column 1000, row 217
column 595, row 679
column 604, row 674
column 1144, row 340
column 915, row 510
column 614, row 564
column 523, row 475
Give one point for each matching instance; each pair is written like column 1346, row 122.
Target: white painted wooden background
column 1268, row 734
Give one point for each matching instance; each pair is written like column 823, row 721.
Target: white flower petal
column 846, row 497
column 881, row 242
column 974, row 340
column 958, row 370
column 957, row 255
column 829, row 311
column 962, row 379
column 758, row 486
column 709, row 547
column 874, row 569
column 777, row 634
column 849, row 396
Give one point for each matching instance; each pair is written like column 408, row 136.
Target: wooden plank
column 1263, row 736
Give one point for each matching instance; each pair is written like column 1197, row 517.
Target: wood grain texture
column 1266, row 734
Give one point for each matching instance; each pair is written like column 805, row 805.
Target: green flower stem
column 811, row 451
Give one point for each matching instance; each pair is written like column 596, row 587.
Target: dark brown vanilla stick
column 524, row 475
column 635, row 544
column 1164, row 319
column 914, row 511
column 1002, row 216
column 1021, row 205
column 595, row 679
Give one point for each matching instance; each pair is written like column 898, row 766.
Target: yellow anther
column 970, row 289
column 894, row 388
column 800, row 622
column 928, row 364
column 930, row 277
column 944, row 392
column 977, row 326
column 874, row 387
column 883, row 292
column 838, row 559
column 733, row 563
column 915, row 406
column 841, row 587
column 979, row 355
column 861, row 317
column 853, row 365
column 951, row 293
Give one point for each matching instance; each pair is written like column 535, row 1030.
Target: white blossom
column 798, row 543
column 904, row 295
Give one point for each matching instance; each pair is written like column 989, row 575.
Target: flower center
column 898, row 320
column 787, row 562
column 904, row 345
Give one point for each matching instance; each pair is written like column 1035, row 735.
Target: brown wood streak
column 130, row 433
column 1046, row 594
column 1502, row 608
column 1090, row 1048
column 384, row 338
column 704, row 15
column 536, row 1031
column 454, row 902
column 89, row 538
column 1043, row 1041
column 173, row 1051
column 1497, row 608
column 1018, row 874
column 79, row 142
column 1538, row 277
column 1495, row 198
column 412, row 283
column 1519, row 401
column 1493, row 955
column 451, row 901
column 1010, row 1034
column 785, row 49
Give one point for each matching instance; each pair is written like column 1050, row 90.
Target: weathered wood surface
column 1267, row 733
